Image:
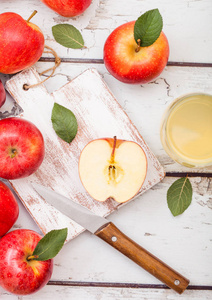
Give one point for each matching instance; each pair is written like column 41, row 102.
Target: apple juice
column 186, row 131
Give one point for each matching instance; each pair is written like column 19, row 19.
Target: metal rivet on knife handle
column 113, row 236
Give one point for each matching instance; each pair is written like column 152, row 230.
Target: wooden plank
column 184, row 21
column 145, row 104
column 98, row 115
column 183, row 242
column 96, row 293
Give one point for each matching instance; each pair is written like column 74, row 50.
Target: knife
column 108, row 232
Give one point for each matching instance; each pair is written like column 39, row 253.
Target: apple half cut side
column 112, row 168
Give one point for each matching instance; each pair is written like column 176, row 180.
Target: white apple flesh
column 111, row 168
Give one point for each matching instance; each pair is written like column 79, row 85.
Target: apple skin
column 22, row 148
column 129, row 66
column 9, row 209
column 2, row 94
column 68, row 8
column 18, row 275
column 21, row 43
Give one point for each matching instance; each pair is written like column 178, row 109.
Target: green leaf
column 68, row 36
column 64, row 123
column 179, row 196
column 49, row 246
column 148, row 27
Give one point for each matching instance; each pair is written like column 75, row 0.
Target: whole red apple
column 21, row 43
column 68, row 8
column 19, row 273
column 130, row 63
column 2, row 94
column 9, row 209
column 21, row 148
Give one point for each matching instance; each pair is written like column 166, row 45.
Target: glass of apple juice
column 186, row 130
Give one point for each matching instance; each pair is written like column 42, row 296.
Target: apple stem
column 14, row 152
column 113, row 151
column 32, row 15
column 31, row 257
column 138, row 45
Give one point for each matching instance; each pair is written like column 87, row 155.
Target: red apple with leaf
column 68, row 8
column 9, row 209
column 2, row 94
column 26, row 262
column 22, row 148
column 21, row 43
column 138, row 51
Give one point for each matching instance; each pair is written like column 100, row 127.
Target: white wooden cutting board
column 98, row 115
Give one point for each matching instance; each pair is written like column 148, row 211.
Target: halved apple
column 112, row 168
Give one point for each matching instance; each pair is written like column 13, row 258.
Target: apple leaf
column 179, row 196
column 148, row 27
column 64, row 122
column 68, row 36
column 49, row 246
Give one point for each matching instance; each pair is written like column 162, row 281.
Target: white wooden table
column 86, row 268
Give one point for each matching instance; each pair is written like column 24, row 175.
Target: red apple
column 9, row 209
column 21, row 148
column 112, row 168
column 132, row 64
column 19, row 272
column 21, row 43
column 68, row 8
column 2, row 94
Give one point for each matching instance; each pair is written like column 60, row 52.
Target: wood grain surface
column 88, row 268
column 186, row 24
column 98, row 115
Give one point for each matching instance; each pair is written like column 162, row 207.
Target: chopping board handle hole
column 114, row 238
column 25, row 87
column 176, row 282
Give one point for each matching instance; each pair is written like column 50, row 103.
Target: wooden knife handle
column 113, row 236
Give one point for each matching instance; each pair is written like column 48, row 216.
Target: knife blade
column 108, row 232
column 73, row 210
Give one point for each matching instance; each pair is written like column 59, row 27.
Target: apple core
column 111, row 168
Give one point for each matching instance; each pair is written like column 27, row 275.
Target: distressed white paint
column 98, row 115
column 183, row 242
column 94, row 293
column 145, row 104
column 187, row 24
